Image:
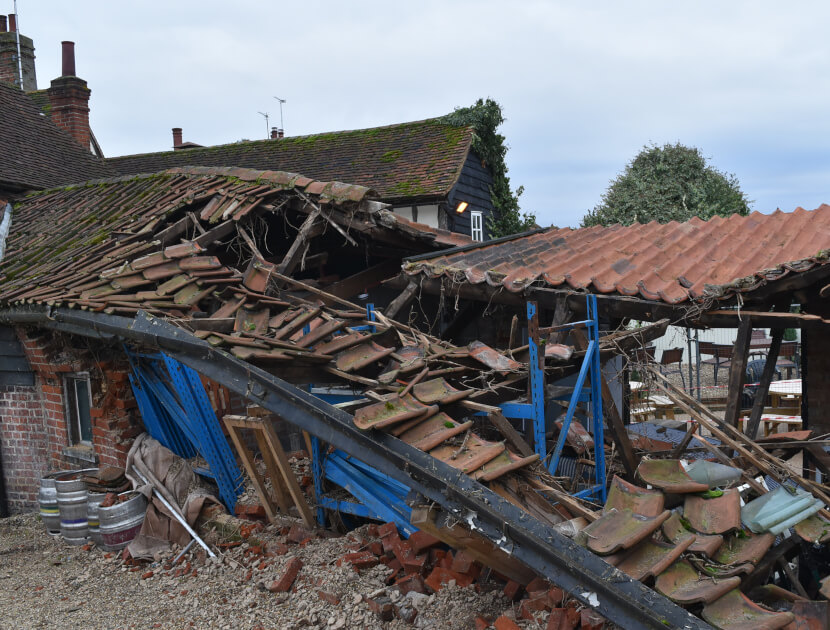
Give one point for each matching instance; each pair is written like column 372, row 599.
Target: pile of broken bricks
column 704, row 553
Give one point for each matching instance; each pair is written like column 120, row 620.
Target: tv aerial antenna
column 282, row 101
column 265, row 115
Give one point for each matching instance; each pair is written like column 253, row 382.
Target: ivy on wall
column 485, row 117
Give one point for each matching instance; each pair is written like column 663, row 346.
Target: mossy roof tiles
column 407, row 161
column 36, row 153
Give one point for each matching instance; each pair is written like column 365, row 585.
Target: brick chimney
column 69, row 98
column 177, row 138
column 9, row 67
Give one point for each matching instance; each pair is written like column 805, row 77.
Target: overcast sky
column 583, row 85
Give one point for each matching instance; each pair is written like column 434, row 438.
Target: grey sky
column 583, row 85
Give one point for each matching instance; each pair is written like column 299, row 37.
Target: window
column 476, row 226
column 78, row 404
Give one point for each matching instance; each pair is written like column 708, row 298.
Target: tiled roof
column 34, row 152
column 63, row 238
column 672, row 262
column 416, row 160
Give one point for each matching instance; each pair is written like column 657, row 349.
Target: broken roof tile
column 735, row 611
column 746, row 547
column 491, row 358
column 815, row 529
column 668, row 475
column 438, row 390
column 675, row 531
column 393, row 410
column 682, row 584
column 717, row 515
column 650, row 558
column 361, row 355
column 619, row 529
column 622, row 495
column 433, row 431
column 470, row 455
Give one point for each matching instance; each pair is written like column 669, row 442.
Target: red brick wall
column 23, row 443
column 33, row 426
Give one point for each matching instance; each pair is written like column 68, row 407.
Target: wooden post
column 763, row 388
column 510, row 434
column 737, row 373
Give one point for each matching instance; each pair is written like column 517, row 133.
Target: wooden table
column 772, row 423
column 785, row 394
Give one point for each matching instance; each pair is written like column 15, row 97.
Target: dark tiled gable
column 34, row 152
column 417, row 160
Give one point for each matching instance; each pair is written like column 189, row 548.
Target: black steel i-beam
column 582, row 574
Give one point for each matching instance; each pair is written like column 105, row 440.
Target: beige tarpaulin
column 173, row 478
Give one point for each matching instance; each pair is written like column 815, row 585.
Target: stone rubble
column 45, row 583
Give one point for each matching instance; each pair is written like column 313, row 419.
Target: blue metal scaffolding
column 177, row 412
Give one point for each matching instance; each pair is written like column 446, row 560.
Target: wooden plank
column 24, row 379
column 277, row 482
column 737, row 373
column 11, row 349
column 615, row 424
column 288, row 475
column 366, row 279
column 760, row 319
column 310, row 228
column 403, row 300
column 684, row 443
column 514, row 439
column 250, row 467
column 763, row 388
column 477, row 547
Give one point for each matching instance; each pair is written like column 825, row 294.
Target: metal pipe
column 183, row 551
column 17, row 38
column 176, row 514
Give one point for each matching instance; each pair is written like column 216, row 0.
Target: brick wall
column 33, row 424
column 24, row 444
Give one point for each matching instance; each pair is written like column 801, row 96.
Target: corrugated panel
column 672, row 262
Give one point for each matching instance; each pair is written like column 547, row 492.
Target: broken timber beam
column 436, row 522
column 763, row 388
column 737, row 373
column 509, row 433
column 403, row 300
column 310, row 228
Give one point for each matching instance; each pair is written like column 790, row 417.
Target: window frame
column 477, row 214
column 74, row 421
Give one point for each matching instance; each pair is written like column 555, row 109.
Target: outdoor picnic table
column 785, row 394
column 772, row 423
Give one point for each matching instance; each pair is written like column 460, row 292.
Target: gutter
column 575, row 569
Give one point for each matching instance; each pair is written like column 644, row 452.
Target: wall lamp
column 461, row 207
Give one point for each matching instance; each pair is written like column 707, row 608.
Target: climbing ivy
column 485, row 117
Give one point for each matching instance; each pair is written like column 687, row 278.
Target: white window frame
column 477, row 225
column 74, row 421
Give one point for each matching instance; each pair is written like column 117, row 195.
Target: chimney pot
column 3, row 25
column 12, row 23
column 280, row 133
column 67, row 59
column 275, row 133
column 177, row 137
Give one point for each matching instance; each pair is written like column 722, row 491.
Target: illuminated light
column 461, row 207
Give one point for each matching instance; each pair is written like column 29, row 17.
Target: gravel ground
column 45, row 583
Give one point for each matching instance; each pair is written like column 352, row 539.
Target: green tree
column 485, row 117
column 668, row 183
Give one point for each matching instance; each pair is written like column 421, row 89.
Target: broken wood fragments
column 287, row 490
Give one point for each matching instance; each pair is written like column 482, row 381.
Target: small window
column 78, row 404
column 476, row 226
